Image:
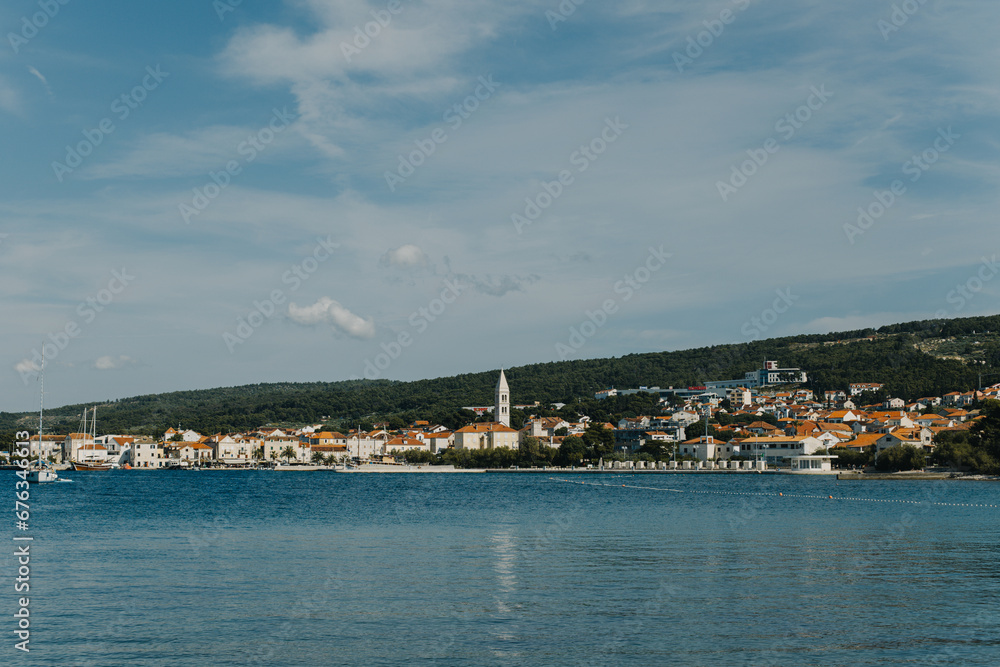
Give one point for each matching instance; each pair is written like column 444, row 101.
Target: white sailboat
column 36, row 473
column 92, row 463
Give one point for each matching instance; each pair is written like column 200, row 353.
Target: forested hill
column 914, row 359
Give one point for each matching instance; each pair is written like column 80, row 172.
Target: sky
column 203, row 193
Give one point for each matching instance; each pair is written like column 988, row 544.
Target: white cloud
column 326, row 310
column 10, row 100
column 163, row 155
column 406, row 256
column 34, row 72
column 27, row 367
column 107, row 362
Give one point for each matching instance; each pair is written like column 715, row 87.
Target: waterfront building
column 486, row 435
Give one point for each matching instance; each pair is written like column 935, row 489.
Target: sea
column 549, row 568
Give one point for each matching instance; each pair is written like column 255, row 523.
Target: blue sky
column 197, row 194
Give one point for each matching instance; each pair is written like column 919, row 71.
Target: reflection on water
column 306, row 569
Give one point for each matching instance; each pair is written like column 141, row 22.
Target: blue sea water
column 316, row 568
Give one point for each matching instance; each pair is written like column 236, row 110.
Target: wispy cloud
column 328, row 311
column 109, row 363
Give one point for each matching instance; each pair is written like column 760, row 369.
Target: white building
column 146, row 454
column 776, row 448
column 707, row 448
column 501, row 411
column 486, row 435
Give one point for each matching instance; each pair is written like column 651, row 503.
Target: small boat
column 37, row 473
column 77, row 465
column 41, row 476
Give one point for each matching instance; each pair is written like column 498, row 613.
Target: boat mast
column 41, row 409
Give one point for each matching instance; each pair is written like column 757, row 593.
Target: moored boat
column 37, row 474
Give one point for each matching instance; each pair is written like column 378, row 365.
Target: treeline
column 889, row 358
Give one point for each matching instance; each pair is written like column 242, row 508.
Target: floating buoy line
column 779, row 494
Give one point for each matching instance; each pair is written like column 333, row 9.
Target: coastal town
column 755, row 421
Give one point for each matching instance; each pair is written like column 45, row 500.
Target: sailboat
column 92, row 464
column 37, row 474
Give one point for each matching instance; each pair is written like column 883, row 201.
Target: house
column 707, row 448
column 51, row 446
column 884, row 421
column 439, row 441
column 739, row 397
column 684, row 418
column 187, row 453
column 956, row 414
column 146, row 454
column 857, row 388
column 400, row 445
column 894, row 404
column 324, row 438
column 230, row 451
column 917, row 437
column 775, row 448
column 968, row 398
column 274, row 446
column 185, row 436
column 843, row 416
column 544, row 427
column 486, row 435
column 818, row 464
column 762, row 428
column 362, row 446
column 639, row 422
column 863, row 442
column 834, row 396
column 951, row 398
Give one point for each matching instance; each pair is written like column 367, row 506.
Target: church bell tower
column 501, row 410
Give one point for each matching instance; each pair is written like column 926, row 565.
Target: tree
column 317, row 458
column 657, row 450
column 847, row 457
column 528, row 451
column 571, row 451
column 329, row 459
column 561, row 431
column 697, row 429
column 288, row 453
column 600, row 441
column 900, row 457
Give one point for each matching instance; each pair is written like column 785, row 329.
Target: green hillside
column 913, row 359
